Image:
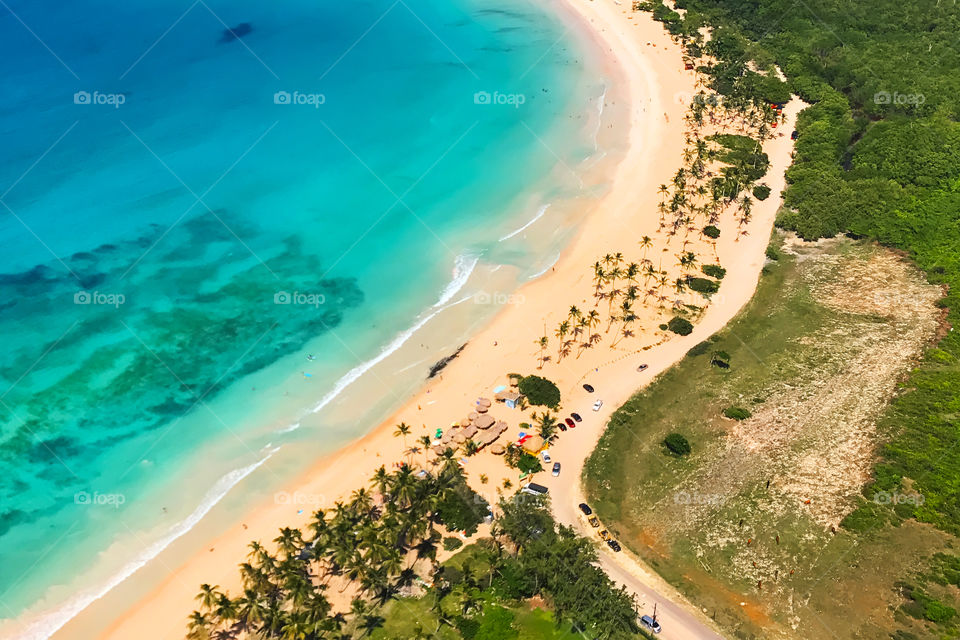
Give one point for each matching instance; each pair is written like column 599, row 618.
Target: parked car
column 613, row 544
column 794, row 135
column 650, row 623
column 534, row 489
column 546, row 456
column 604, row 534
column 593, row 521
column 588, row 388
column 643, row 367
column 556, row 468
column 570, row 423
column 585, row 508
column 597, row 405
column 562, row 427
column 576, row 416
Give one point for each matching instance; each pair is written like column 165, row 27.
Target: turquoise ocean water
column 205, row 238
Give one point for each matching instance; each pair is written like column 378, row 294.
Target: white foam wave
column 289, row 428
column 463, row 267
column 547, row 268
column 596, row 133
column 49, row 624
column 539, row 215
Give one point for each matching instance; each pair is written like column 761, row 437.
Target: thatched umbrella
column 485, row 422
column 497, row 450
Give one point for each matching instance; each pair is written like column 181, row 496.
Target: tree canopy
column 540, row 391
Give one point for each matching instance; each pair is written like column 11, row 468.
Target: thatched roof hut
column 534, row 444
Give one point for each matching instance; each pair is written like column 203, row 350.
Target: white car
column 546, row 456
column 597, row 405
column 650, row 623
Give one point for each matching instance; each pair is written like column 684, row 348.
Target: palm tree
column 470, row 447
column 381, row 480
column 361, row 501
column 209, row 596
column 599, row 278
column 403, row 430
column 199, row 627
column 542, row 342
column 593, row 318
column 546, row 425
column 562, row 330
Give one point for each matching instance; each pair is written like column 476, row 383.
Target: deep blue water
column 164, row 186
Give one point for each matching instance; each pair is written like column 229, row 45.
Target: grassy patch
column 749, row 524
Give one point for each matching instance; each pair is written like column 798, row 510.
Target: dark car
column 613, row 544
column 588, row 388
column 642, row 367
column 562, row 427
column 576, row 416
column 585, row 508
column 556, row 469
column 794, row 135
column 570, row 423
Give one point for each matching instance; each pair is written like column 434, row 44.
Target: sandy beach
column 653, row 76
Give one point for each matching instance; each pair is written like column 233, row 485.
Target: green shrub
column 529, row 464
column 711, row 232
column 736, row 413
column 452, row 543
column 699, row 349
column 680, row 326
column 664, row 327
column 496, row 623
column 703, row 285
column 714, row 271
column 761, row 192
column 867, row 517
column 772, row 253
column 924, row 606
column 677, row 444
column 720, row 359
column 540, row 391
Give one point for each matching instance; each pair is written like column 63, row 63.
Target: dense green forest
column 877, row 156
